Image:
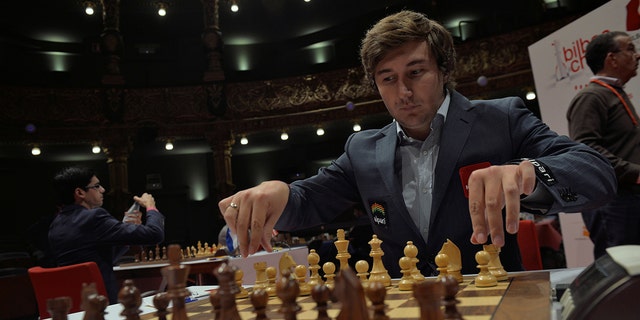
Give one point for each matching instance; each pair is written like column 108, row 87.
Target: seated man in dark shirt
column 84, row 231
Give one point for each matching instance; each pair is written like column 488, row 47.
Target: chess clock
column 607, row 289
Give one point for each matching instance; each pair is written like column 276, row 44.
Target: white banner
column 558, row 64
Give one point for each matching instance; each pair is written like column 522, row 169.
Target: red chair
column 529, row 245
column 64, row 281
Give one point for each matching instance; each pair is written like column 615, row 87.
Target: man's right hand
column 251, row 214
column 492, row 189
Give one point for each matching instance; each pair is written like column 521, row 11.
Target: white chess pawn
column 301, row 276
column 411, row 251
column 484, row 277
column 314, row 259
column 362, row 269
column 442, row 261
column 407, row 280
column 329, row 269
column 272, row 274
column 243, row 291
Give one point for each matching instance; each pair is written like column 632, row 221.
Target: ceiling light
column 549, row 4
column 162, row 9
column 530, row 95
column 320, row 132
column 96, row 148
column 356, row 127
column 89, row 7
column 35, row 151
column 284, row 136
column 168, row 145
column 234, row 6
column 244, row 140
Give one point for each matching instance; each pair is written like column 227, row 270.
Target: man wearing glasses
column 84, row 231
column 601, row 116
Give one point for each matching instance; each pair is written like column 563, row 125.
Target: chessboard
column 158, row 255
column 525, row 295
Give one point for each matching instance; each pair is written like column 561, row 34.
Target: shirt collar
column 610, row 80
column 443, row 110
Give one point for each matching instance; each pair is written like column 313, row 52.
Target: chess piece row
column 448, row 262
column 160, row 253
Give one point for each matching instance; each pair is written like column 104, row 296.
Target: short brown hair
column 405, row 26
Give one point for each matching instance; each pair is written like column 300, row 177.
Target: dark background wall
column 183, row 190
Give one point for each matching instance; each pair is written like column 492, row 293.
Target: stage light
column 168, row 145
column 244, row 140
column 320, row 131
column 36, row 151
column 96, row 148
column 356, row 127
column 284, row 136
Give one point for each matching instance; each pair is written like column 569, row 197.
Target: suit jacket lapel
column 452, row 140
column 385, row 157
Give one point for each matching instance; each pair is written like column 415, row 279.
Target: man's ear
column 79, row 193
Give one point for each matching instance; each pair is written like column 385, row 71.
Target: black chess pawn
column 131, row 300
column 259, row 299
column 321, row 295
column 376, row 292
column 429, row 297
column 287, row 290
column 161, row 303
column 449, row 301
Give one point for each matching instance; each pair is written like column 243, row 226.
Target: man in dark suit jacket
column 84, row 231
column 446, row 168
